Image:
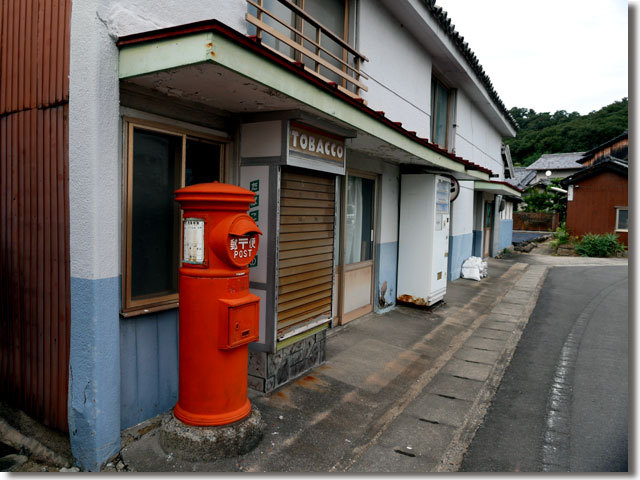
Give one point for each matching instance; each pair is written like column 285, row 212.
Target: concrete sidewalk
column 400, row 392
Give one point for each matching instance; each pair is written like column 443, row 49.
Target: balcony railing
column 326, row 55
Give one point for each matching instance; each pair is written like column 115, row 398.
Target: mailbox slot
column 239, row 320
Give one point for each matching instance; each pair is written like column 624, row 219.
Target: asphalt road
column 526, row 236
column 563, row 402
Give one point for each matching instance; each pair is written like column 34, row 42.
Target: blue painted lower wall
column 149, row 366
column 477, row 243
column 506, row 234
column 386, row 271
column 94, row 371
column 460, row 248
column 121, row 371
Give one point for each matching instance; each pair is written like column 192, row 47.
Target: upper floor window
column 158, row 161
column 440, row 102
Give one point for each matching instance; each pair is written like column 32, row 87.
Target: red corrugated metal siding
column 34, row 207
column 34, row 44
column 592, row 209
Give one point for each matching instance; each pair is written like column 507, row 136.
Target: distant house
column 560, row 165
column 597, row 198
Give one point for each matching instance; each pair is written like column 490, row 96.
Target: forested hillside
column 559, row 132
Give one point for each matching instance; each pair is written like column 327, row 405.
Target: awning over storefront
column 498, row 188
column 212, row 64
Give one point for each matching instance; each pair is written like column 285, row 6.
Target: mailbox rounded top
column 214, row 193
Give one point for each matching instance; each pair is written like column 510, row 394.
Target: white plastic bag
column 472, row 268
column 472, row 273
column 484, row 269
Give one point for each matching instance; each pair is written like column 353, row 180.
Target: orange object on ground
column 218, row 315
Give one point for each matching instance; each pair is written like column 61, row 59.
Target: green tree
column 548, row 201
column 544, row 132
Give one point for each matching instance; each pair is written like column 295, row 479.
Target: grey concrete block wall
column 268, row 371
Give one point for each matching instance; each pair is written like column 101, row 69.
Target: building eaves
column 253, row 43
column 610, row 164
column 608, row 143
column 441, row 17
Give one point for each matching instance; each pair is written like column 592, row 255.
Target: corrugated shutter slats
column 305, row 258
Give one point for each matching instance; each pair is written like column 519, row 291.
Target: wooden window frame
column 131, row 307
column 618, row 219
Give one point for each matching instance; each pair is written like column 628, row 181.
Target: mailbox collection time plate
column 193, row 241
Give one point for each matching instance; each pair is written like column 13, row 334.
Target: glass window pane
column 330, row 13
column 367, row 219
column 359, row 221
column 338, row 224
column 623, row 219
column 440, row 126
column 433, row 107
column 283, row 13
column 154, row 233
column 488, row 214
column 202, row 162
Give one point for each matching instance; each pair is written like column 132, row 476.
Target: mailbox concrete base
column 206, row 444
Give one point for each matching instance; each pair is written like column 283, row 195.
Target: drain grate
column 465, row 378
column 402, row 452
column 473, row 361
column 446, row 396
column 429, row 421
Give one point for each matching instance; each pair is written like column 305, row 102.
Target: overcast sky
column 548, row 54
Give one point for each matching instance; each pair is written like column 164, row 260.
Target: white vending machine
column 423, row 249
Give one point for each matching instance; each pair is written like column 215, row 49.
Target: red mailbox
column 218, row 315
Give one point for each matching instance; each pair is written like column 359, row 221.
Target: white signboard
column 193, row 241
column 316, row 149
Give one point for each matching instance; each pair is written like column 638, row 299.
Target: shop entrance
column 358, row 246
column 486, row 234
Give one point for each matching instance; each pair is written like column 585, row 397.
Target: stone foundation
column 208, row 444
column 268, row 371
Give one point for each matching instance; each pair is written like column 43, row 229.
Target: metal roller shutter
column 305, row 258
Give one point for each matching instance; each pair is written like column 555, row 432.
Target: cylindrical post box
column 218, row 315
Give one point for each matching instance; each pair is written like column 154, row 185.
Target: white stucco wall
column 507, row 213
column 399, row 69
column 124, row 17
column 95, row 185
column 476, row 139
column 462, row 210
column 400, row 85
column 390, row 196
